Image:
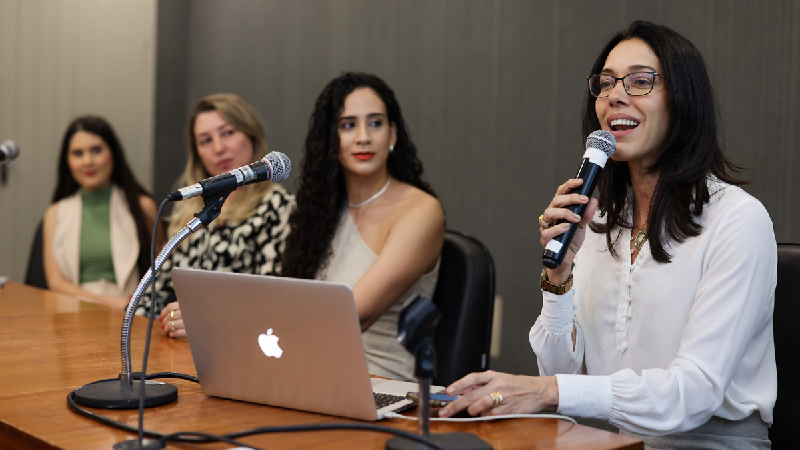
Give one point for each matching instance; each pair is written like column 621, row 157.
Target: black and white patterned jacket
column 253, row 246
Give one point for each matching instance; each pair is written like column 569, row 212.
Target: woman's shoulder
column 277, row 197
column 275, row 202
column 52, row 211
column 726, row 199
column 66, row 202
column 413, row 199
column 147, row 203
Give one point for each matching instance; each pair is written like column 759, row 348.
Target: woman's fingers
column 507, row 394
column 172, row 320
column 177, row 329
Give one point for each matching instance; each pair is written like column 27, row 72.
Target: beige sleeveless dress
column 350, row 260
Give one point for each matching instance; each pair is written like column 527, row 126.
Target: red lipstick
column 364, row 156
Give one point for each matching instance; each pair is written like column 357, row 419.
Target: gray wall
column 60, row 59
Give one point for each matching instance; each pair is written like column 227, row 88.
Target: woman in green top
column 97, row 230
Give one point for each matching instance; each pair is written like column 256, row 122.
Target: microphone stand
column 416, row 327
column 124, row 392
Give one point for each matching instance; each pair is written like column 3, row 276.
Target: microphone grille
column 280, row 165
column 10, row 148
column 602, row 140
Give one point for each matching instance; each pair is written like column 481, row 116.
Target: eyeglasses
column 636, row 83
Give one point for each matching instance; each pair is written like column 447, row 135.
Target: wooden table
column 51, row 344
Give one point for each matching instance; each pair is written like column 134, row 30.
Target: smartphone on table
column 436, row 400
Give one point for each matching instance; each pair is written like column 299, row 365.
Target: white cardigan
column 124, row 240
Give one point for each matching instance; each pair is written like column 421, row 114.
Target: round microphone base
column 134, row 444
column 111, row 394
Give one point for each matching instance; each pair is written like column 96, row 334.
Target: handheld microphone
column 275, row 167
column 600, row 145
column 8, row 151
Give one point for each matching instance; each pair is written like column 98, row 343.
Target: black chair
column 785, row 430
column 34, row 275
column 465, row 295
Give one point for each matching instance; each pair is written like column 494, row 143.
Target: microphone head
column 279, row 164
column 602, row 140
column 8, row 151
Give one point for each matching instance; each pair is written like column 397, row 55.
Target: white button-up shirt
column 666, row 346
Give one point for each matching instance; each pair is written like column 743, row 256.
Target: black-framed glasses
column 636, row 83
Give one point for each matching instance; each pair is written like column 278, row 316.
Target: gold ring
column 173, row 326
column 497, row 397
column 543, row 223
column 172, row 315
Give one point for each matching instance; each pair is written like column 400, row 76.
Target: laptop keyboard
column 382, row 400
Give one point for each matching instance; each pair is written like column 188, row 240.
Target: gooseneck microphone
column 8, row 151
column 275, row 167
column 128, row 389
column 600, row 145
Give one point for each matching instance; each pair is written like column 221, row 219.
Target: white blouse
column 667, row 346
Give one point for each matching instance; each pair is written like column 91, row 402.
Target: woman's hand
column 558, row 210
column 172, row 321
column 493, row 393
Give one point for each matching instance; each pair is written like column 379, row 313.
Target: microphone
column 600, row 145
column 275, row 167
column 8, row 151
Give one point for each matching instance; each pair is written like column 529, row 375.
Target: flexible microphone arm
column 125, row 348
column 203, row 218
column 124, row 392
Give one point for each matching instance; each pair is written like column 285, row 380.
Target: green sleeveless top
column 96, row 262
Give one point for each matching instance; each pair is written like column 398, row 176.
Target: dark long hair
column 691, row 152
column 122, row 176
column 321, row 192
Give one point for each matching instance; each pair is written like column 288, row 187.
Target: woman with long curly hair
column 97, row 230
column 364, row 216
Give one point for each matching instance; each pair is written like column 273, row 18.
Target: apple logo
column 269, row 344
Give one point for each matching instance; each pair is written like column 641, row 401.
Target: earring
column 391, row 148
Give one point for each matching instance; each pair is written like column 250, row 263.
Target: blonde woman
column 224, row 133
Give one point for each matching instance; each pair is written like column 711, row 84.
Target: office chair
column 785, row 429
column 465, row 295
column 34, row 275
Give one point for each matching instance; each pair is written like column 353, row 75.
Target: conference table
column 51, row 344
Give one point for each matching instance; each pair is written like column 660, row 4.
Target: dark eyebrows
column 369, row 116
column 632, row 69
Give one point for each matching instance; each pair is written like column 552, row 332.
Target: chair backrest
column 34, row 275
column 785, row 430
column 465, row 295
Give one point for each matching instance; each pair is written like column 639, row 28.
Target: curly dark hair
column 121, row 175
column 692, row 149
column 321, row 192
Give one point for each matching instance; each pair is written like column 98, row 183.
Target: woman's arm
column 56, row 280
column 725, row 337
column 556, row 337
column 412, row 248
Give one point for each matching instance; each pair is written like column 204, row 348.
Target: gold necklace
column 641, row 238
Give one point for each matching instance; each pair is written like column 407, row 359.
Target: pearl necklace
column 369, row 200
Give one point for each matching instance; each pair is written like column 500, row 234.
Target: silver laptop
column 282, row 342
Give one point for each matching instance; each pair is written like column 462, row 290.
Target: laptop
column 283, row 342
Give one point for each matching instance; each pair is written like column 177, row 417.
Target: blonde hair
column 242, row 117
